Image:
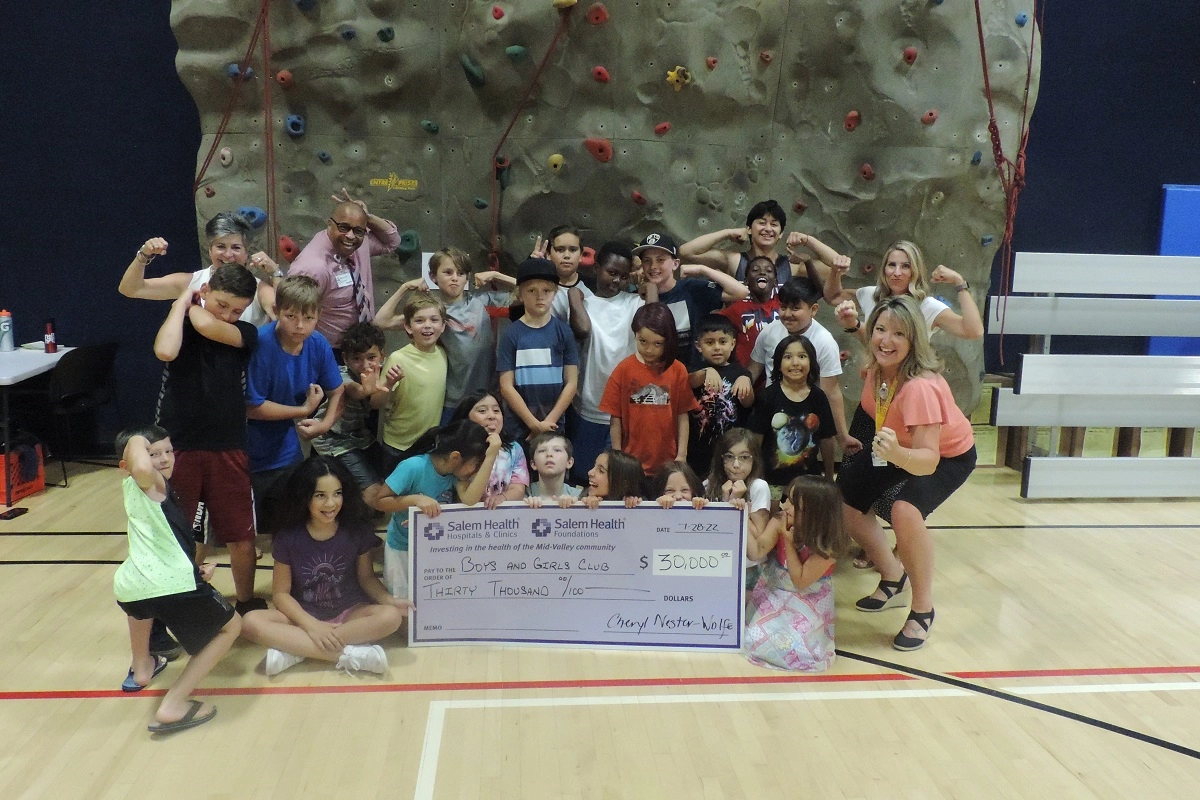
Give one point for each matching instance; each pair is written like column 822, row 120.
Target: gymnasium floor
column 1063, row 664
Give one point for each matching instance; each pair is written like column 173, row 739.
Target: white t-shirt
column 254, row 313
column 561, row 307
column 930, row 306
column 611, row 343
column 828, row 356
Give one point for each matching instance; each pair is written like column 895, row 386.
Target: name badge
column 878, row 461
column 343, row 278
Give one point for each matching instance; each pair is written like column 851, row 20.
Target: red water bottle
column 51, row 344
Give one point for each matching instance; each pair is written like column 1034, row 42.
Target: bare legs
column 366, row 624
column 915, row 549
column 177, row 701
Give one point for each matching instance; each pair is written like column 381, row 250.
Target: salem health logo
column 541, row 528
column 433, row 531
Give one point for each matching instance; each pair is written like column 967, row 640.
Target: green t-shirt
column 156, row 565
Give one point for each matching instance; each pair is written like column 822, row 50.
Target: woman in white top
column 228, row 235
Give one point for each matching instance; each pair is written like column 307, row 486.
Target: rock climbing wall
column 866, row 119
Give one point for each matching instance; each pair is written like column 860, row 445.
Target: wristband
column 857, row 325
column 962, row 287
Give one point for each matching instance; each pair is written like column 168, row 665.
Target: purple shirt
column 325, row 574
column 317, row 260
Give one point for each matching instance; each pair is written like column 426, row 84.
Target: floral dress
column 790, row 628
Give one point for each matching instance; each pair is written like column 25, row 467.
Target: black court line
column 93, row 561
column 1024, row 701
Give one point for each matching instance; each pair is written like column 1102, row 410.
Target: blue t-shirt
column 690, row 300
column 415, row 475
column 536, row 357
column 283, row 378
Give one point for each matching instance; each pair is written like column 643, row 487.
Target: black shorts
column 366, row 465
column 862, row 484
column 194, row 618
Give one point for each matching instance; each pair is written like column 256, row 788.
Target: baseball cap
column 659, row 240
column 536, row 269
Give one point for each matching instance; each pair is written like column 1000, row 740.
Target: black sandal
column 891, row 591
column 922, row 618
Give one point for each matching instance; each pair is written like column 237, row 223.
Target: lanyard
column 883, row 401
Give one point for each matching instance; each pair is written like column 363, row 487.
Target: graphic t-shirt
column 325, row 574
column 690, row 299
column 718, row 411
column 749, row 317
column 648, row 404
column 536, row 357
column 791, row 432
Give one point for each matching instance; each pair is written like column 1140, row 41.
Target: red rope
column 269, row 134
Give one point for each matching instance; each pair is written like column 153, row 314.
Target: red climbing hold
column 600, row 148
column 284, row 78
column 843, row 356
column 765, row 56
column 929, row 117
column 867, row 172
column 799, row 206
column 639, row 198
column 497, row 12
column 867, row 269
column 588, row 257
column 852, row 120
column 209, row 191
column 711, row 62
column 288, row 249
column 910, row 55
column 600, row 74
column 597, row 14
column 661, row 128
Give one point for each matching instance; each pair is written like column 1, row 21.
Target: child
column 736, row 477
column 791, row 624
column 648, row 396
column 420, row 390
column 538, row 360
column 615, row 476
column 553, row 455
column 468, row 339
column 765, row 223
column 462, row 455
column 160, row 579
column 206, row 348
column 328, row 603
column 761, row 308
column 676, row 482
column 793, row 415
column 351, row 440
column 609, row 339
column 292, row 370
column 722, row 389
column 509, row 475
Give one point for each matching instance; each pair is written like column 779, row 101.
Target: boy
column 761, row 308
column 722, row 388
column 798, row 303
column 160, row 579
column 552, row 457
column 206, row 348
column 419, row 392
column 351, row 440
column 538, row 360
column 469, row 340
column 765, row 223
column 291, row 372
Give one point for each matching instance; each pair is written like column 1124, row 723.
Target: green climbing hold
column 516, row 52
column 480, row 203
column 410, row 242
column 472, row 69
column 386, row 34
column 429, row 125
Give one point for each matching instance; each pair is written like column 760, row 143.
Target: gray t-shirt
column 470, row 344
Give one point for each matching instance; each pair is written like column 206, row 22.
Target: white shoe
column 277, row 661
column 364, row 657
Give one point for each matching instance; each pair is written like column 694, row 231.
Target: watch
column 962, row 287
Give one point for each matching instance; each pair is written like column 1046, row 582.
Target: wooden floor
column 1064, row 664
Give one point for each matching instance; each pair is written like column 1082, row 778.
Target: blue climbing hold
column 429, row 125
column 233, row 70
column 386, row 34
column 1022, row 19
column 937, row 2
column 480, row 203
column 347, row 32
column 255, row 217
column 324, row 157
column 977, row 157
column 306, row 5
column 295, row 125
column 516, row 52
column 410, row 242
column 986, row 240
column 473, row 70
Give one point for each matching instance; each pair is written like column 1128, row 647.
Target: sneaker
column 277, row 661
column 244, row 607
column 364, row 657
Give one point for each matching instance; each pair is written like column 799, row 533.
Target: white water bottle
column 6, row 333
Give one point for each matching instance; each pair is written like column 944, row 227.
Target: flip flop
column 130, row 685
column 189, row 720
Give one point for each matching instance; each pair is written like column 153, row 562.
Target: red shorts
column 221, row 480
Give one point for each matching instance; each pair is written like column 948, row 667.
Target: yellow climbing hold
column 678, row 78
column 564, row 3
column 555, row 161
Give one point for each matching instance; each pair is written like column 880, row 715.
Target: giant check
column 616, row 577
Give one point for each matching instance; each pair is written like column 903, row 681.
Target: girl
column 648, row 395
column 509, row 476
column 791, row 623
column 793, row 415
column 675, row 481
column 462, row 455
column 616, row 476
column 736, row 477
column 328, row 603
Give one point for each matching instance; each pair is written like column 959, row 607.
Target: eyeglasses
column 730, row 458
column 344, row 228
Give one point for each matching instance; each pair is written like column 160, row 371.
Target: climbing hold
column 480, row 203
column 587, row 257
column 639, row 198
column 661, row 128
column 600, row 74
column 255, row 217
column 867, row 269
column 599, row 147
column 555, row 162
column 800, row 206
column 324, row 157
column 986, row 240
column 516, row 52
column 295, row 125
column 977, row 157
column 226, row 156
column 209, row 191
column 938, row 2
column 497, row 12
column 233, row 70
column 473, row 70
column 347, row 32
column 597, row 14
column 306, row 5
column 929, row 117
column 678, row 78
column 410, row 242
column 564, row 4
column 910, row 55
column 852, row 120
column 711, row 62
column 284, row 78
column 1022, row 19
column 386, row 34
column 867, row 172
column 843, row 356
column 288, row 249
column 429, row 125
column 765, row 56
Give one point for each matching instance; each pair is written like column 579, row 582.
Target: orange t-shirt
column 924, row 401
column 648, row 404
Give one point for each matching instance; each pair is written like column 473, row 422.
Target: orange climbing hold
column 597, row 14
column 209, row 191
column 284, row 78
column 600, row 74
column 288, row 249
column 661, row 128
column 765, row 56
column 600, row 148
column 852, row 120
column 929, row 117
column 867, row 172
column 588, row 257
